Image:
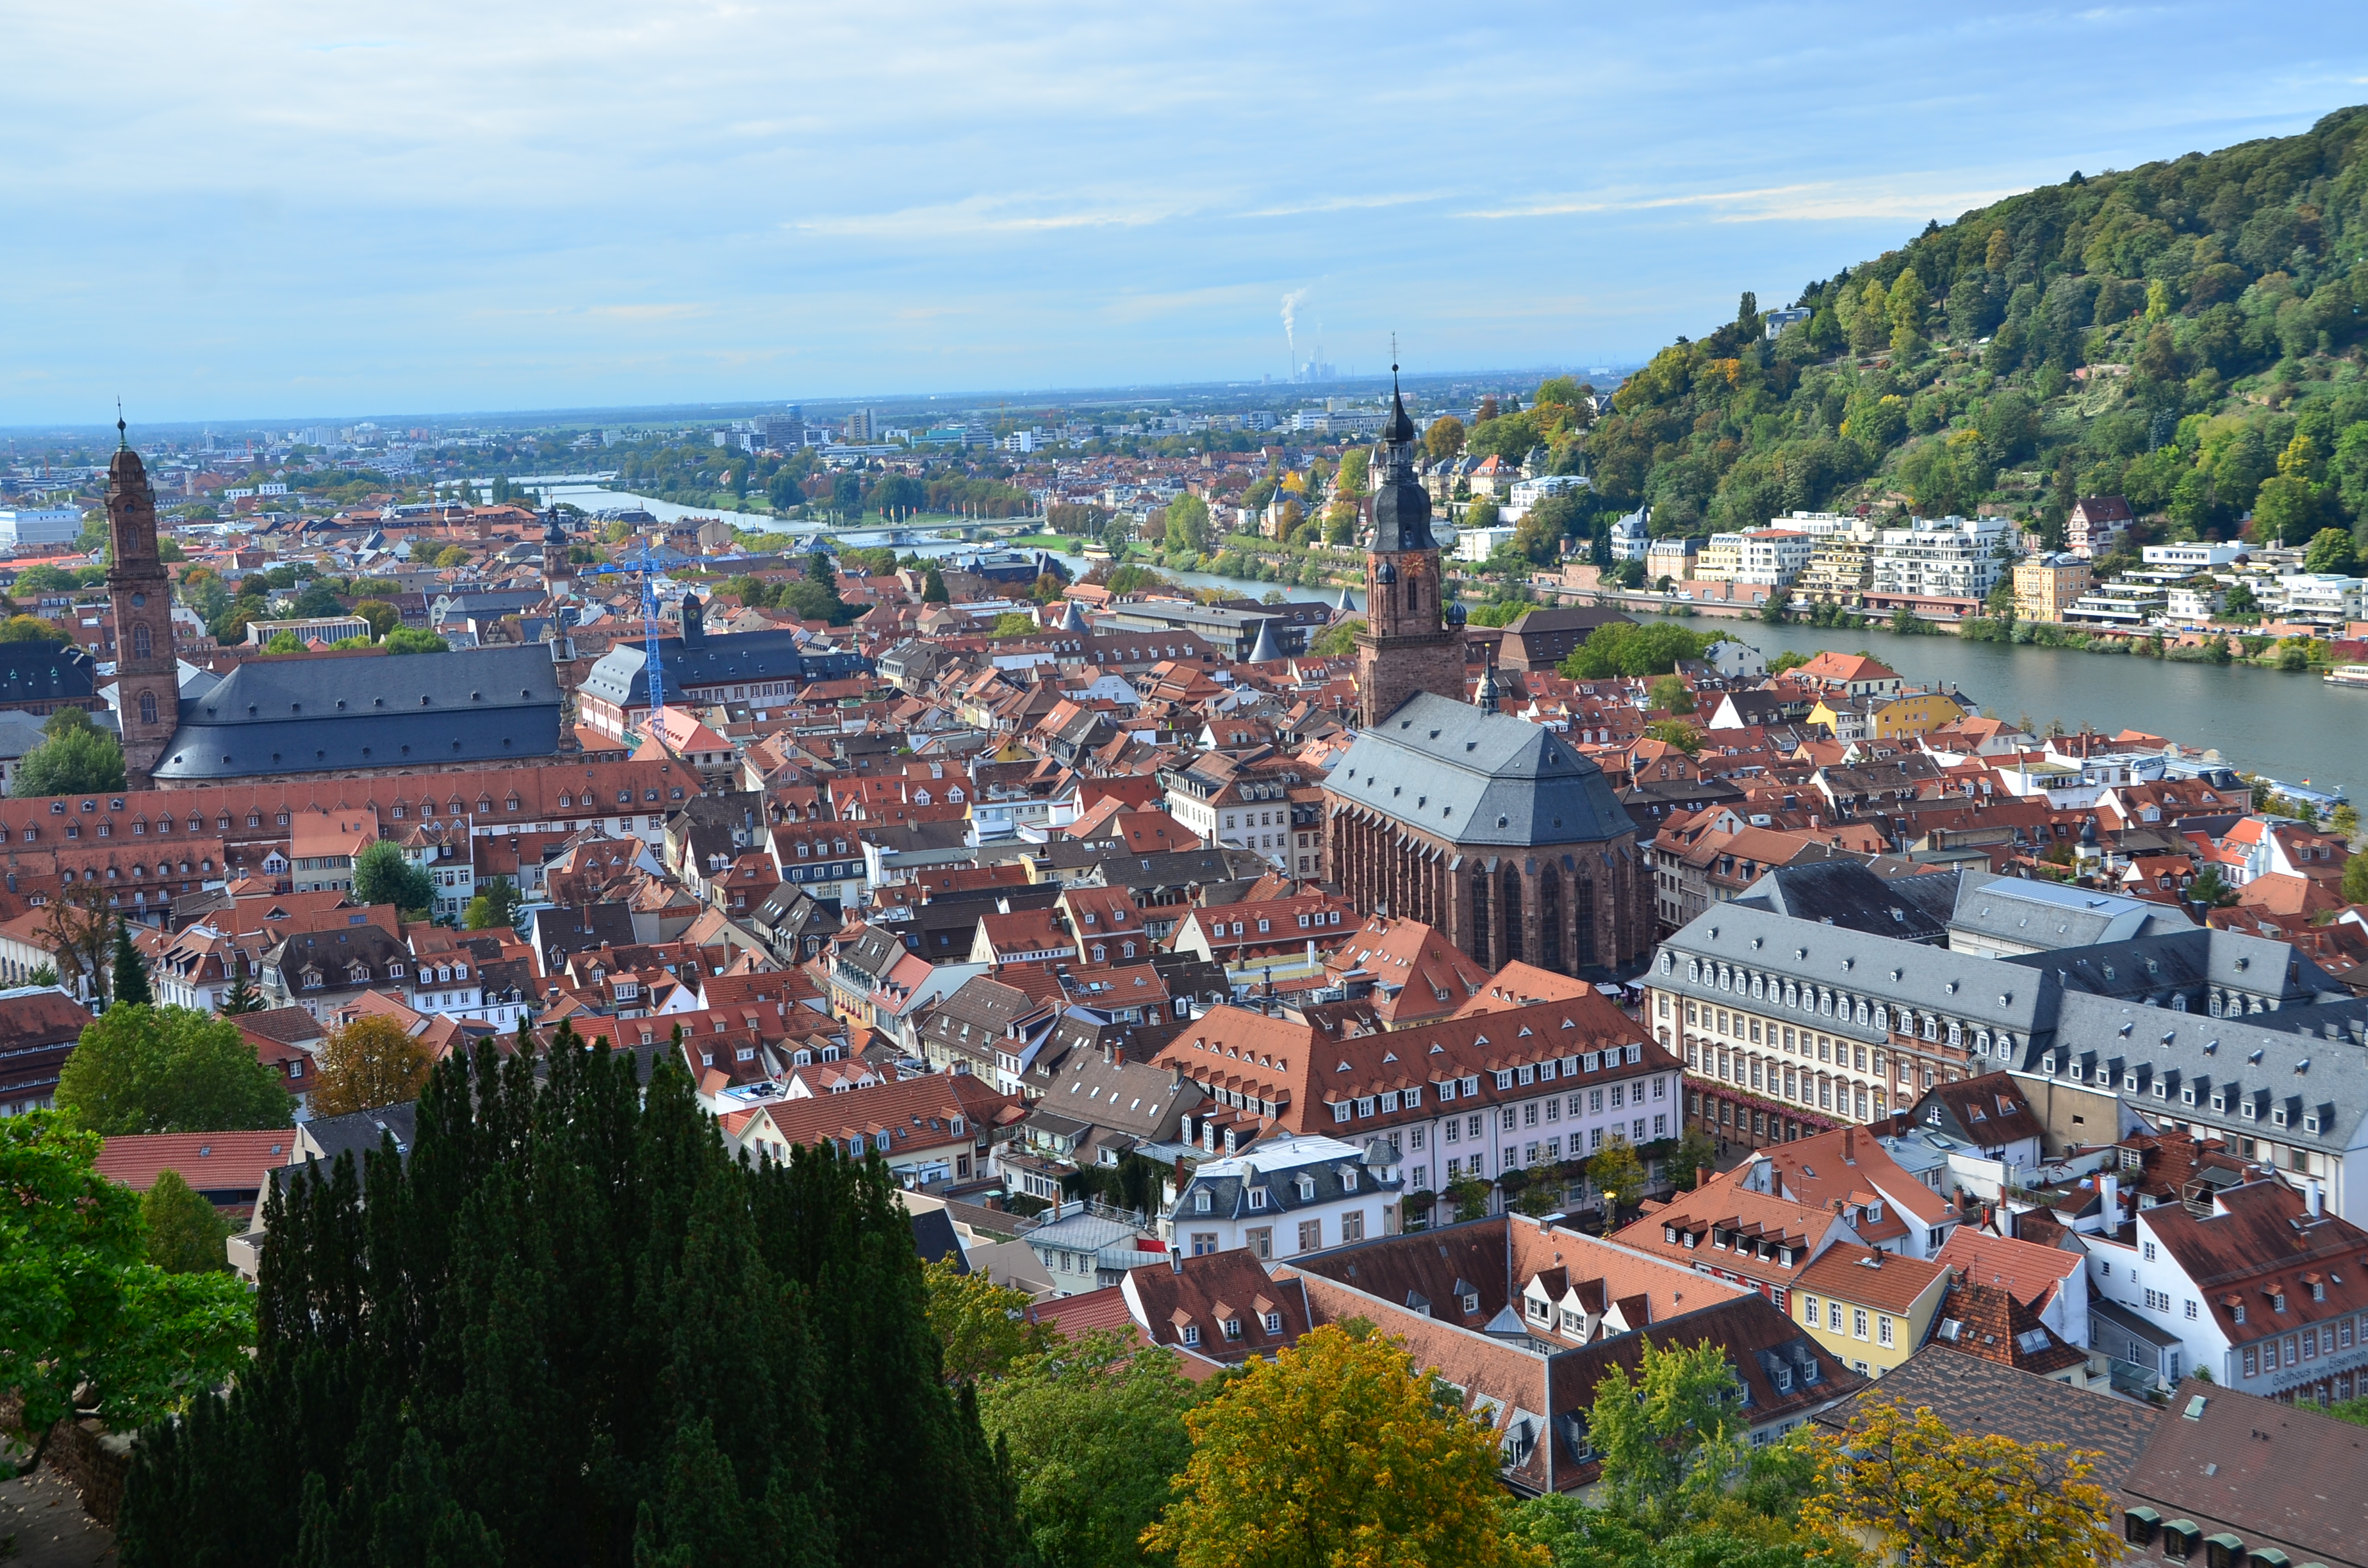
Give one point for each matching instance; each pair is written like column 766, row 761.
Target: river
column 2292, row 727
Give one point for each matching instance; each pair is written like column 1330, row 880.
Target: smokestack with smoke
column 1290, row 327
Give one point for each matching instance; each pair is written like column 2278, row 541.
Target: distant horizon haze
column 225, row 210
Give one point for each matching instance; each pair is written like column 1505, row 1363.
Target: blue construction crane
column 649, row 571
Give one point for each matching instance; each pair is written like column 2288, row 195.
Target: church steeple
column 1486, row 699
column 1410, row 644
column 147, row 677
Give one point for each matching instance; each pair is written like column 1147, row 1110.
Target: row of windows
column 2327, row 1339
column 1779, row 991
column 1885, row 1326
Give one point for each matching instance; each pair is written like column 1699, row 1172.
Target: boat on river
column 2349, row 675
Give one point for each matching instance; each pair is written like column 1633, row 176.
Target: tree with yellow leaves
column 1906, row 1484
column 367, row 1064
column 1336, row 1454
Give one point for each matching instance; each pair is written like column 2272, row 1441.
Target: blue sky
column 243, row 208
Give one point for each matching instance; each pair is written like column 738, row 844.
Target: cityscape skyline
column 317, row 211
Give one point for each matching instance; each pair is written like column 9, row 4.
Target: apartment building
column 2045, row 586
column 1944, row 562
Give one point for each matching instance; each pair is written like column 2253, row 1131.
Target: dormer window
column 1469, row 1300
column 1258, row 1198
column 1539, row 1309
column 1191, row 1334
column 1349, row 1179
column 1200, row 1201
column 1233, row 1328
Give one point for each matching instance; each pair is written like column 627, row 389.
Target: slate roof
column 1974, row 1396
column 1846, row 893
column 42, row 672
column 620, row 676
column 418, row 709
column 1484, row 779
column 2053, row 914
column 2278, row 1475
column 936, row 1240
column 1278, row 1167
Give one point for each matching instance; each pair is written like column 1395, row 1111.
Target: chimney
column 2310, row 1197
column 1850, row 1145
column 2108, row 1191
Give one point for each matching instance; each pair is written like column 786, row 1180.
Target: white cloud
column 1907, row 197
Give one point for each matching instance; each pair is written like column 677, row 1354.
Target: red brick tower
column 1410, row 642
column 147, row 678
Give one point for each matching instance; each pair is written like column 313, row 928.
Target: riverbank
column 2289, row 726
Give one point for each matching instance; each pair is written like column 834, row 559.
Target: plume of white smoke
column 1290, row 303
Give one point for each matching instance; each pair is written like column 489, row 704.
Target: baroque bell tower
column 147, row 677
column 1412, row 642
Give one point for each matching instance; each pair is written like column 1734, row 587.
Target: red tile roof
column 209, row 1162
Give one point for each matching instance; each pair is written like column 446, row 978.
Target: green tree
column 1616, row 1172
column 242, row 996
column 1095, row 1430
column 1013, row 623
column 1677, row 733
column 144, row 1069
column 1671, row 1434
column 1908, row 303
column 75, row 758
column 1188, row 524
column 1444, row 438
column 81, row 1303
column 2286, row 510
column 414, row 640
column 933, row 587
column 1337, row 640
column 451, row 556
column 186, row 1233
column 1671, row 694
column 32, row 629
column 1469, row 1195
column 1336, row 1452
column 2332, row 549
column 283, row 643
column 2355, row 879
column 1695, row 1153
column 984, row 1326
column 1626, row 648
column 131, row 973
column 382, row 617
column 494, row 906
column 384, row 874
column 567, row 1325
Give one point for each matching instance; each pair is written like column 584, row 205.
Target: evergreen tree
column 241, row 998
column 131, row 974
column 567, row 1328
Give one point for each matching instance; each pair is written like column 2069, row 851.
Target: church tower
column 1411, row 642
column 147, row 677
column 558, row 571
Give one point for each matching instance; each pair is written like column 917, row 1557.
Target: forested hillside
column 2186, row 333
